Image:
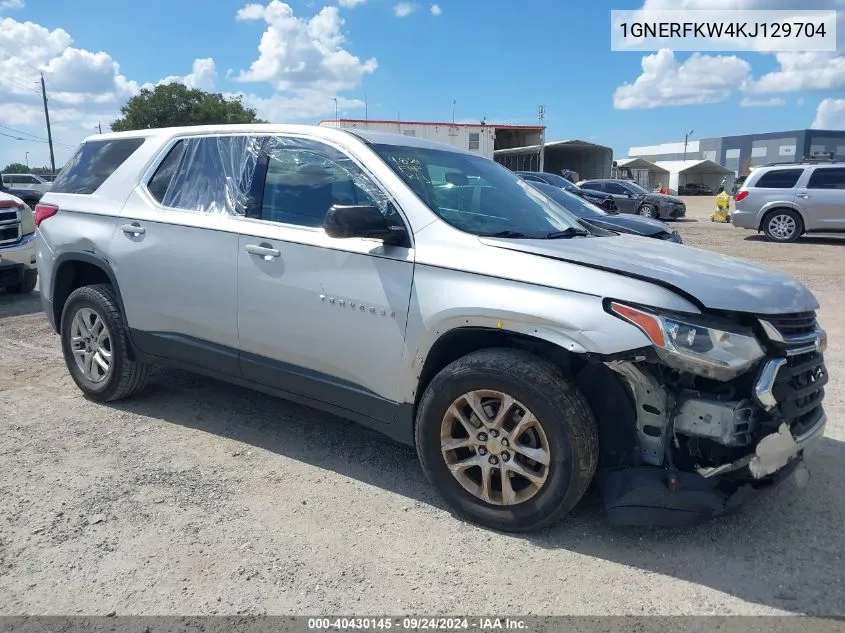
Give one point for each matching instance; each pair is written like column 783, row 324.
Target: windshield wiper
column 565, row 234
column 511, row 234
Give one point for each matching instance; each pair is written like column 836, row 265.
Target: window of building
column 474, row 140
column 409, row 133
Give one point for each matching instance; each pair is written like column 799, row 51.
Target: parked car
column 694, row 189
column 632, row 198
column 30, row 196
column 26, row 181
column 601, row 199
column 610, row 220
column 786, row 201
column 480, row 322
column 18, row 270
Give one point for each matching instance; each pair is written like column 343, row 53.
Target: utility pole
column 49, row 133
column 99, row 127
column 366, row 108
column 686, row 140
column 542, row 118
column 454, row 103
column 27, row 160
column 336, row 120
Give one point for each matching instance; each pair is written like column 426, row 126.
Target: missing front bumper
column 640, row 496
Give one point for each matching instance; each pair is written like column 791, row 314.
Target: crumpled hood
column 662, row 197
column 717, row 281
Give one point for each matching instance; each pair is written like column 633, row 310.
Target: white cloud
column 830, row 114
column 302, row 54
column 665, row 81
column 11, row 4
column 350, row 4
column 748, row 102
column 304, row 105
column 404, row 9
column 203, row 75
column 436, row 10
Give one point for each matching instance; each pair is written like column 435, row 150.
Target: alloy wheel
column 782, row 226
column 91, row 345
column 495, row 447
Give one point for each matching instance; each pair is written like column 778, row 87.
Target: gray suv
column 787, row 200
column 434, row 296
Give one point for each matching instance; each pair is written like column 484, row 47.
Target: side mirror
column 343, row 221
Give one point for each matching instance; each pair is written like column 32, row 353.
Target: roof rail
column 806, row 161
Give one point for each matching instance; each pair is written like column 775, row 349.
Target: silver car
column 788, row 200
column 433, row 295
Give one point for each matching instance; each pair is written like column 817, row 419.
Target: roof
column 549, row 145
column 387, row 138
column 438, row 123
column 699, row 166
column 640, row 163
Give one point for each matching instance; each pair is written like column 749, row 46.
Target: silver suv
column 787, row 200
column 431, row 294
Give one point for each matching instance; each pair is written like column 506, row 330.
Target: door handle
column 133, row 229
column 262, row 251
column 804, row 195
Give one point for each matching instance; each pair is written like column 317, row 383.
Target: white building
column 483, row 138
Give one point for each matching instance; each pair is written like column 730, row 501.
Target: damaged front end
column 717, row 412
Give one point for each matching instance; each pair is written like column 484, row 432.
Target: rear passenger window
column 592, row 186
column 93, row 163
column 302, row 185
column 827, row 178
column 779, row 179
column 163, row 176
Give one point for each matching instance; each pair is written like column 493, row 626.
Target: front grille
column 8, row 216
column 799, row 389
column 10, row 233
column 792, row 325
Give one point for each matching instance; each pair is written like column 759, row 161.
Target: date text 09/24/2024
column 415, row 624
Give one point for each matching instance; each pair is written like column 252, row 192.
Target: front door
column 624, row 199
column 319, row 317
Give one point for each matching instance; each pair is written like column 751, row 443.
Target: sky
column 406, row 59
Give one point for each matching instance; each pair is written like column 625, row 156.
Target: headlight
column 704, row 350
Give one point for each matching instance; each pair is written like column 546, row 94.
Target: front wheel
column 507, row 439
column 648, row 211
column 30, row 280
column 783, row 225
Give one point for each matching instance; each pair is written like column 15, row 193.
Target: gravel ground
column 198, row 497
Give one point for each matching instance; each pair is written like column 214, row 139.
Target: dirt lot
column 199, row 497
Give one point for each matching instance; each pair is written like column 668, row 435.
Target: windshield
column 636, row 187
column 573, row 203
column 476, row 195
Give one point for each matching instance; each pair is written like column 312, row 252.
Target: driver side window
column 615, row 189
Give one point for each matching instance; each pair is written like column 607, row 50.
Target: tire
column 648, row 211
column 567, row 426
column 777, row 225
column 30, row 280
column 125, row 377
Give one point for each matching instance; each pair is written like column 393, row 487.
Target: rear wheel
column 508, row 441
column 30, row 280
column 95, row 345
column 783, row 225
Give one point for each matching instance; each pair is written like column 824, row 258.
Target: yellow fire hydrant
column 723, row 208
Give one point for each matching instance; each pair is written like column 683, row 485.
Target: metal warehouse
column 741, row 153
column 588, row 160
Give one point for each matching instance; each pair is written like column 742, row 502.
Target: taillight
column 44, row 211
column 741, row 195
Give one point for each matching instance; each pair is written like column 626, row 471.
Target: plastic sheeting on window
column 216, row 174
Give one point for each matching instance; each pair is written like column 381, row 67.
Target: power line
column 40, row 139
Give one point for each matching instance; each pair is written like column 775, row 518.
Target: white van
column 26, row 181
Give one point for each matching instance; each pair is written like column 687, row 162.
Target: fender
column 780, row 205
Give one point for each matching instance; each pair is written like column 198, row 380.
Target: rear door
column 823, row 199
column 175, row 253
column 775, row 187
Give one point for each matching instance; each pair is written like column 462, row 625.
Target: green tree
column 175, row 104
column 16, row 168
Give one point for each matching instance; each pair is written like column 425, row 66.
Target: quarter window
column 93, row 163
column 827, row 178
column 779, row 179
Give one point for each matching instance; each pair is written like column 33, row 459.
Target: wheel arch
column 768, row 210
column 74, row 270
